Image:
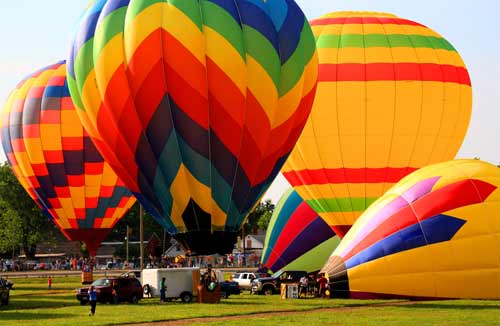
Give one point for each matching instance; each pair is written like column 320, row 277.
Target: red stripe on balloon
column 459, row 194
column 393, row 72
column 346, row 175
column 363, row 20
column 283, row 138
column 186, row 80
column 118, row 97
column 297, row 222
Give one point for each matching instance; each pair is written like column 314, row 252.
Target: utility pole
column 141, row 226
column 126, row 240
column 244, row 249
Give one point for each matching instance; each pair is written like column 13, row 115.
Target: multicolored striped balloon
column 435, row 234
column 196, row 104
column 297, row 238
column 56, row 162
column 393, row 96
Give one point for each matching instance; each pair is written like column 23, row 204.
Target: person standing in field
column 163, row 290
column 49, row 283
column 322, row 281
column 92, row 300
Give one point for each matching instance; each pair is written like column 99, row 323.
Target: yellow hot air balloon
column 393, row 96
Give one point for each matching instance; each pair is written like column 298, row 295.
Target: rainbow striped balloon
column 393, row 96
column 56, row 162
column 435, row 234
column 196, row 104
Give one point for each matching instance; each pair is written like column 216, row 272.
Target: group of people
column 318, row 286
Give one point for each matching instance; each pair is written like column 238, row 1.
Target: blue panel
column 290, row 35
column 113, row 5
column 439, row 228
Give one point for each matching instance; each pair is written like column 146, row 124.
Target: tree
column 23, row 221
column 131, row 219
column 259, row 218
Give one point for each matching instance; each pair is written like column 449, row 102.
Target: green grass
column 32, row 304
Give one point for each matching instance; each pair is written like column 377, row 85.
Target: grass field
column 32, row 304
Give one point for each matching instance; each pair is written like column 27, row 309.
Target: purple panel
column 317, row 232
column 418, row 190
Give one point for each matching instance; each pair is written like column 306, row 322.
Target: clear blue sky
column 34, row 33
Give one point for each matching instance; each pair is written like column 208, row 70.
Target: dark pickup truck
column 272, row 284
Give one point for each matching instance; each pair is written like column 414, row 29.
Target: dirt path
column 203, row 320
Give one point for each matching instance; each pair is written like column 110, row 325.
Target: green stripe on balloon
column 339, row 205
column 221, row 21
column 84, row 63
column 111, row 26
column 292, row 70
column 259, row 48
column 190, row 9
column 383, row 40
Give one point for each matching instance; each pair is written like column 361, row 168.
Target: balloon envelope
column 435, row 234
column 57, row 163
column 196, row 104
column 297, row 238
column 393, row 96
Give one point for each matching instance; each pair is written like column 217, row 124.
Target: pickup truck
column 272, row 284
column 244, row 279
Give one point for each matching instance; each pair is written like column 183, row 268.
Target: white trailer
column 181, row 283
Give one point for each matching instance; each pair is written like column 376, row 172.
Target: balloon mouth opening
column 200, row 243
column 338, row 279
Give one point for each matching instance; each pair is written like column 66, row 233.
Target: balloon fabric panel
column 393, row 96
column 297, row 235
column 195, row 104
column 56, row 161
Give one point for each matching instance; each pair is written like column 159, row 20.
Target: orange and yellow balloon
column 393, row 96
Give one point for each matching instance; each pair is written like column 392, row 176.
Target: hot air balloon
column 297, row 238
column 435, row 234
column 57, row 163
column 195, row 104
column 393, row 96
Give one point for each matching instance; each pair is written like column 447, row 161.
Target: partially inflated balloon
column 297, row 238
column 196, row 104
column 435, row 234
column 57, row 163
column 393, row 96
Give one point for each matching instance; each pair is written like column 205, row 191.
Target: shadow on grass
column 13, row 316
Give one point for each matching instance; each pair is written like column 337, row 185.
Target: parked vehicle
column 129, row 289
column 245, row 279
column 5, row 287
column 272, row 284
column 229, row 287
column 181, row 283
column 132, row 273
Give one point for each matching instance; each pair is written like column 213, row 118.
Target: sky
column 35, row 33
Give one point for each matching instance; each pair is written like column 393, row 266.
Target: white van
column 181, row 283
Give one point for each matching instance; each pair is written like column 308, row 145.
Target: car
column 229, row 287
column 272, row 284
column 129, row 289
column 245, row 279
column 5, row 287
column 131, row 273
